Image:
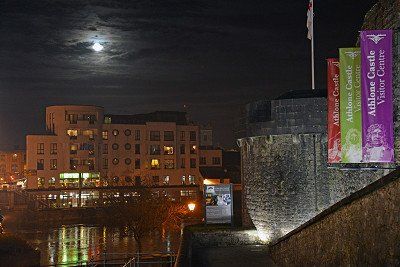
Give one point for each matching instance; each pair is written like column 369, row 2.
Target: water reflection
column 70, row 245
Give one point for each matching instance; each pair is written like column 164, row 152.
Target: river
column 70, row 245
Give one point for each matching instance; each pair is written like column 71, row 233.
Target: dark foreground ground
column 253, row 256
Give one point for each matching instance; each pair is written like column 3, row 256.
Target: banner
column 377, row 106
column 350, row 105
column 334, row 146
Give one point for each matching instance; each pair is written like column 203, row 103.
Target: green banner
column 350, row 104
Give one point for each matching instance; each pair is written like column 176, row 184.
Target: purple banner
column 377, row 105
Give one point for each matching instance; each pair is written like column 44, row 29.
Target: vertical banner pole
column 312, row 47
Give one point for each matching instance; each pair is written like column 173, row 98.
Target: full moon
column 97, row 47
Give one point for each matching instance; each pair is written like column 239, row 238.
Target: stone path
column 253, row 256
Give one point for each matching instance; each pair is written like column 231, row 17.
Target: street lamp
column 191, row 206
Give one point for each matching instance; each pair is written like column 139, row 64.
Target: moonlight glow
column 97, row 47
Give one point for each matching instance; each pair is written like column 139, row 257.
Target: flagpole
column 312, row 47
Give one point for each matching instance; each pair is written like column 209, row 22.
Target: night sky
column 211, row 56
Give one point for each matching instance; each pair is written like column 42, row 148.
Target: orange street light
column 191, row 206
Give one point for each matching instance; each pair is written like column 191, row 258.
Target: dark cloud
column 210, row 55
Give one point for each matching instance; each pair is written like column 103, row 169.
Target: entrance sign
column 218, row 203
column 377, row 105
column 350, row 105
column 334, row 146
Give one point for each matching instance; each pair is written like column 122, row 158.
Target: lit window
column 166, row 180
column 40, row 182
column 115, row 132
column 89, row 133
column 115, row 161
column 52, row 181
column 155, row 164
column 193, row 149
column 107, row 120
column 53, row 164
column 168, row 150
column 73, row 134
column 40, row 148
column 191, row 179
column 73, row 149
column 183, row 179
column 53, row 148
column 127, row 132
column 105, row 135
column 169, row 164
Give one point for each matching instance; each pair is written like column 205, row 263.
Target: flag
column 310, row 19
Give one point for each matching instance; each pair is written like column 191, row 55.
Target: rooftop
column 158, row 116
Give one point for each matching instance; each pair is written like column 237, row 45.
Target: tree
column 147, row 212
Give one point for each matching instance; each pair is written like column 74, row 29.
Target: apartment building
column 83, row 147
column 12, row 165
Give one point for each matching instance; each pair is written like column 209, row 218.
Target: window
column 105, row 135
column 155, row 150
column 40, row 148
column 182, row 163
column 138, row 181
column 115, row 132
column 203, row 161
column 137, row 164
column 204, row 137
column 128, row 179
column 72, row 118
column 168, row 136
column 91, row 118
column 73, row 163
column 192, row 136
column 40, row 164
column 182, row 136
column 53, row 148
column 89, row 133
column 115, row 161
column 127, row 132
column 193, row 149
column 73, row 149
column 155, row 164
column 115, row 146
column 166, row 180
column 52, row 181
column 40, row 182
column 73, row 134
column 191, row 179
column 14, row 168
column 154, row 136
column 183, row 179
column 156, row 180
column 169, row 164
column 192, row 163
column 107, row 120
column 216, row 160
column 105, row 163
column 182, row 149
column 188, row 193
column 128, row 146
column 137, row 135
column 137, row 149
column 53, row 164
column 168, row 150
column 128, row 161
column 105, row 148
column 116, row 179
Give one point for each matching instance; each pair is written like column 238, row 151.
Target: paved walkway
column 253, row 256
